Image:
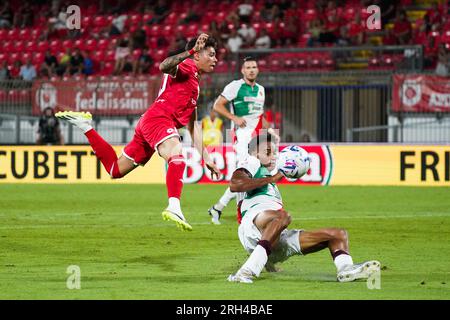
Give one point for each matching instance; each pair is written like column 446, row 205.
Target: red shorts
column 150, row 131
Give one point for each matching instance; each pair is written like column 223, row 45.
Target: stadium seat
column 100, row 21
column 86, row 21
column 90, row 45
column 67, row 44
column 19, row 46
column 7, row 46
column 102, row 44
column 13, row 34
column 42, row 46
column 55, row 46
column 134, row 19
column 3, row 34
column 38, row 58
column 110, row 56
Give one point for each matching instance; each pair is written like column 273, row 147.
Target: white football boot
column 241, row 277
column 358, row 271
column 215, row 215
column 82, row 120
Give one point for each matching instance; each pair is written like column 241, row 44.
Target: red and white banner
column 420, row 93
column 225, row 158
column 105, row 97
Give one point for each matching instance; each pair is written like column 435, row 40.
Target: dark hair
column 256, row 141
column 210, row 42
column 249, row 58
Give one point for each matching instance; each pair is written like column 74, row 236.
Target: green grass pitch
column 116, row 235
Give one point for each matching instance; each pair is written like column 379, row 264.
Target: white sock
column 225, row 199
column 256, row 262
column 342, row 261
column 174, row 206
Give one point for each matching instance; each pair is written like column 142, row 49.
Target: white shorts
column 249, row 235
column 243, row 136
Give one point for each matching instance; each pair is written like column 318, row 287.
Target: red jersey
column 178, row 95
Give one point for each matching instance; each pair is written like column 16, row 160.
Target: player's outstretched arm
column 195, row 129
column 169, row 65
column 242, row 182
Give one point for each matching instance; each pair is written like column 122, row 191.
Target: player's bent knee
column 340, row 234
column 285, row 218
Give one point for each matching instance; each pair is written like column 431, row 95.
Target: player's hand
column 214, row 171
column 277, row 177
column 240, row 122
column 200, row 43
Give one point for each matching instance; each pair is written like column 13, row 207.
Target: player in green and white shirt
column 246, row 114
column 263, row 230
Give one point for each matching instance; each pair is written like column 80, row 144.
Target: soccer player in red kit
column 174, row 108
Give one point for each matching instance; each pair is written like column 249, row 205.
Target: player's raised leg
column 272, row 223
column 116, row 167
column 170, row 150
column 336, row 240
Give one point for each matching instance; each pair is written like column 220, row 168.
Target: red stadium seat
column 78, row 44
column 90, row 45
column 42, row 46
column 102, row 44
column 13, row 34
column 24, row 34
column 67, row 44
column 3, row 35
column 134, row 19
column 167, row 31
column 155, row 30
column 86, row 21
column 110, row 56
column 19, row 46
column 13, row 57
column 7, row 46
column 30, row 46
column 3, row 57
column 55, row 46
column 192, row 30
column 38, row 58
column 100, row 21
column 99, row 55
column 24, row 56
column 35, row 33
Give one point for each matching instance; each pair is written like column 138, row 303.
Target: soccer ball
column 293, row 162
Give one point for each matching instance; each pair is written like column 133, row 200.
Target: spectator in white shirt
column 234, row 42
column 247, row 33
column 245, row 11
column 263, row 41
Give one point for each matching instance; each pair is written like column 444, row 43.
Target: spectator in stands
column 4, row 72
column 273, row 14
column 64, row 62
column 6, row 15
column 263, row 41
column 117, row 24
column 315, row 28
column 234, row 42
column 24, row 16
column 178, row 45
column 49, row 131
column 143, row 63
column 122, row 53
column 138, row 38
column 291, row 30
column 248, row 34
column 214, row 32
column 15, row 70
column 233, row 18
column 58, row 20
column 245, row 11
column 443, row 64
column 356, row 31
column 161, row 11
column 50, row 64
column 332, row 29
column 192, row 16
column 88, row 64
column 402, row 28
column 389, row 39
column 305, row 138
column 28, row 71
column 76, row 63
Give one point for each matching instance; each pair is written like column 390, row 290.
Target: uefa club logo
column 411, row 93
column 46, row 96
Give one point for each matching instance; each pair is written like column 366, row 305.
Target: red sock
column 104, row 152
column 174, row 176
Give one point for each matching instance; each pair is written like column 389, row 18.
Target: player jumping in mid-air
column 174, row 108
column 246, row 114
column 263, row 230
